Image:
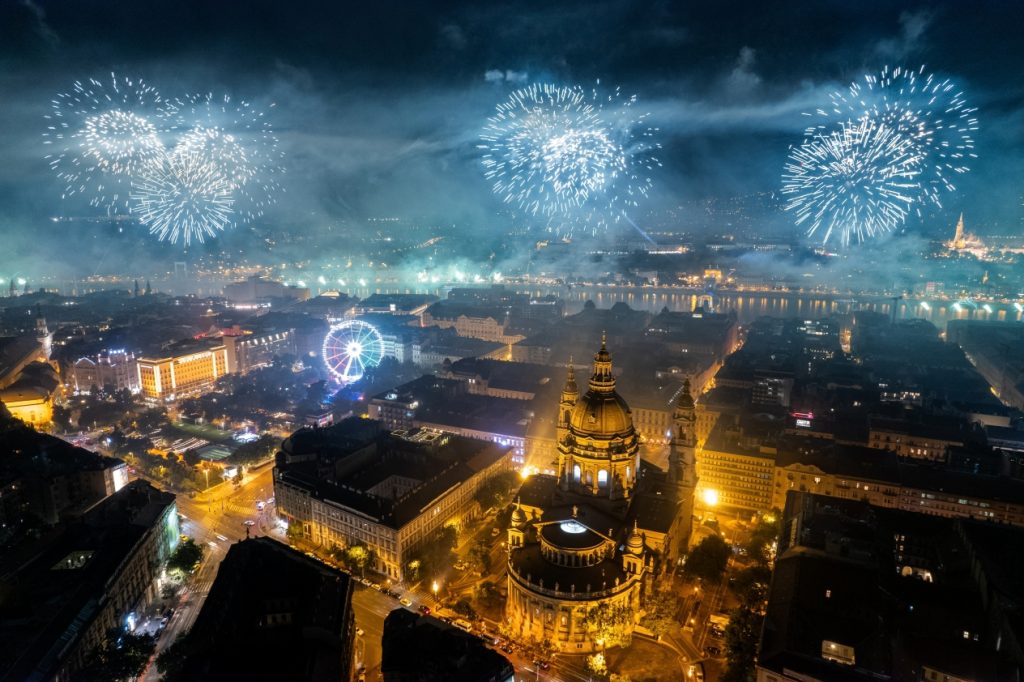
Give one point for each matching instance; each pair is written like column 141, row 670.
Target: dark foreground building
column 863, row 593
column 423, row 649
column 63, row 593
column 272, row 614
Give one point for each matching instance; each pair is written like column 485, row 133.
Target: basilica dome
column 601, row 415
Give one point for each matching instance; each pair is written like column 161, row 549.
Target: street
column 215, row 519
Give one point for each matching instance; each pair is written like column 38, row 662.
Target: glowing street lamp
column 435, row 587
column 710, row 497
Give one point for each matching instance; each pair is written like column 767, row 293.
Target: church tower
column 598, row 448
column 43, row 335
column 682, row 459
column 959, row 241
column 566, row 404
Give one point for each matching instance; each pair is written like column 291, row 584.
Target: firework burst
column 239, row 139
column 930, row 112
column 856, row 182
column 101, row 134
column 567, row 156
column 185, row 198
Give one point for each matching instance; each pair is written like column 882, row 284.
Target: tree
column 751, row 586
column 741, row 637
column 480, row 552
column 294, row 532
column 122, row 657
column 708, row 559
column 191, row 457
column 256, row 451
column 596, row 664
column 609, row 625
column 186, row 556
column 493, row 490
column 463, row 607
column 358, row 557
column 488, row 595
column 760, row 545
column 659, row 612
column 62, row 418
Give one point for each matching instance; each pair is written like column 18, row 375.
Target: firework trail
column 567, row 156
column 932, row 113
column 102, row 134
column 185, row 198
column 856, row 182
column 239, row 139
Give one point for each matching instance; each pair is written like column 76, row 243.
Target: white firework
column 239, row 138
column 567, row 156
column 185, row 198
column 932, row 112
column 858, row 181
column 99, row 134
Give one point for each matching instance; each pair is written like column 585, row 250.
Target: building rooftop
column 346, row 463
column 272, row 613
column 860, row 593
column 54, row 594
column 425, row 649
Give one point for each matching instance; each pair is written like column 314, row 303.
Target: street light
column 435, row 587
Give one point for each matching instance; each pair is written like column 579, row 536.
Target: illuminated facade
column 246, row 352
column 388, row 492
column 116, row 368
column 184, row 374
column 594, row 535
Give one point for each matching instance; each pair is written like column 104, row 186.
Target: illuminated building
column 354, row 483
column 256, row 290
column 474, row 322
column 115, row 368
column 191, row 368
column 738, row 467
column 247, row 351
column 601, row 530
column 27, row 386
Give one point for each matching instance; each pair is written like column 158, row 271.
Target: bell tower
column 566, row 404
column 682, row 459
column 43, row 335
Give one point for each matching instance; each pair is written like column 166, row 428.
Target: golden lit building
column 189, row 370
column 597, row 533
column 735, row 472
column 28, row 383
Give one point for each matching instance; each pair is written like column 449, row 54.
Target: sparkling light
column 857, row 181
column 98, row 134
column 567, row 156
column 185, row 198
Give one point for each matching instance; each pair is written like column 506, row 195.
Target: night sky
column 379, row 105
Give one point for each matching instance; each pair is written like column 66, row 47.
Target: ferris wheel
column 350, row 347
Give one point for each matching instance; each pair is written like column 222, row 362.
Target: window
column 576, row 473
column 602, row 478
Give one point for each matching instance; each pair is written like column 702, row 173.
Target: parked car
column 425, row 610
column 712, row 650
